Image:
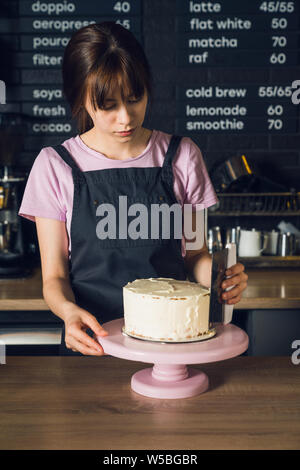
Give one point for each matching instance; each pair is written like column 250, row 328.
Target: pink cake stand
column 170, row 377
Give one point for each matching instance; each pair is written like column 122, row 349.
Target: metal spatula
column 219, row 312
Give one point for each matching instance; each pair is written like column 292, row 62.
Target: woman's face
column 119, row 116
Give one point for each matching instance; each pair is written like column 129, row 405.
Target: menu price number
column 274, row 91
column 278, row 58
column 122, row 7
column 124, row 23
column 279, row 41
column 278, row 110
column 279, row 23
column 275, row 124
column 277, row 7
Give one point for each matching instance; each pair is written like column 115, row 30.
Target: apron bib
column 99, row 267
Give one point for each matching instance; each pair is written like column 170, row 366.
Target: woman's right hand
column 76, row 338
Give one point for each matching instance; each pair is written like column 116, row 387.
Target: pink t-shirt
column 49, row 189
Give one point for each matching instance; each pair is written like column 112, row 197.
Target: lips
column 126, row 132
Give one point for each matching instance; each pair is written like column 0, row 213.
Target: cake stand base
column 170, row 377
column 148, row 383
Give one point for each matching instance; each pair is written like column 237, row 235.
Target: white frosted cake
column 165, row 309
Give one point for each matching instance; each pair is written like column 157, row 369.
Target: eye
column 105, row 108
column 108, row 108
column 134, row 101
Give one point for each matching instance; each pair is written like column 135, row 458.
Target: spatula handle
column 231, row 260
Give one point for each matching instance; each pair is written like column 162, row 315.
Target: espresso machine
column 12, row 247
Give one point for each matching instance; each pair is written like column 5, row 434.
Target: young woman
column 107, row 82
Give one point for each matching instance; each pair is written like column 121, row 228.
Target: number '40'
column 122, row 7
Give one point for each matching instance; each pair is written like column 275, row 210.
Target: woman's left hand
column 237, row 278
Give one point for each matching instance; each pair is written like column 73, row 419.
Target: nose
column 124, row 115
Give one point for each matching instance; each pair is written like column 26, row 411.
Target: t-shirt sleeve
column 199, row 189
column 42, row 195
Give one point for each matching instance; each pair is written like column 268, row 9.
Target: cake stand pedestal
column 170, row 377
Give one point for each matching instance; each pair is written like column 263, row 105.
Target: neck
column 113, row 149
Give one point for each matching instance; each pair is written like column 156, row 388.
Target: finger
column 95, row 337
column 83, row 338
column 234, row 280
column 86, row 350
column 237, row 290
column 88, row 341
column 70, row 347
column 234, row 300
column 93, row 324
column 235, row 269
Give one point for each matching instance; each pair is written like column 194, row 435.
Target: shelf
column 257, row 204
column 270, row 261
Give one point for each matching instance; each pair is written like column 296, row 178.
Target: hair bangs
column 115, row 75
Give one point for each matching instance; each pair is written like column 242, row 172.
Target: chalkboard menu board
column 41, row 31
column 234, row 34
column 223, row 70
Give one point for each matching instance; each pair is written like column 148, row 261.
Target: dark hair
column 98, row 58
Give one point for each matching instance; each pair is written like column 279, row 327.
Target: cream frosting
column 166, row 309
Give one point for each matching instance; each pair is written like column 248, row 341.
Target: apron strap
column 67, row 157
column 167, row 170
column 172, row 149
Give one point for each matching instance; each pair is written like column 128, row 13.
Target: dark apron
column 99, row 268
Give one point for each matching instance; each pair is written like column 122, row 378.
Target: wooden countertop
column 268, row 288
column 87, row 403
column 271, row 288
